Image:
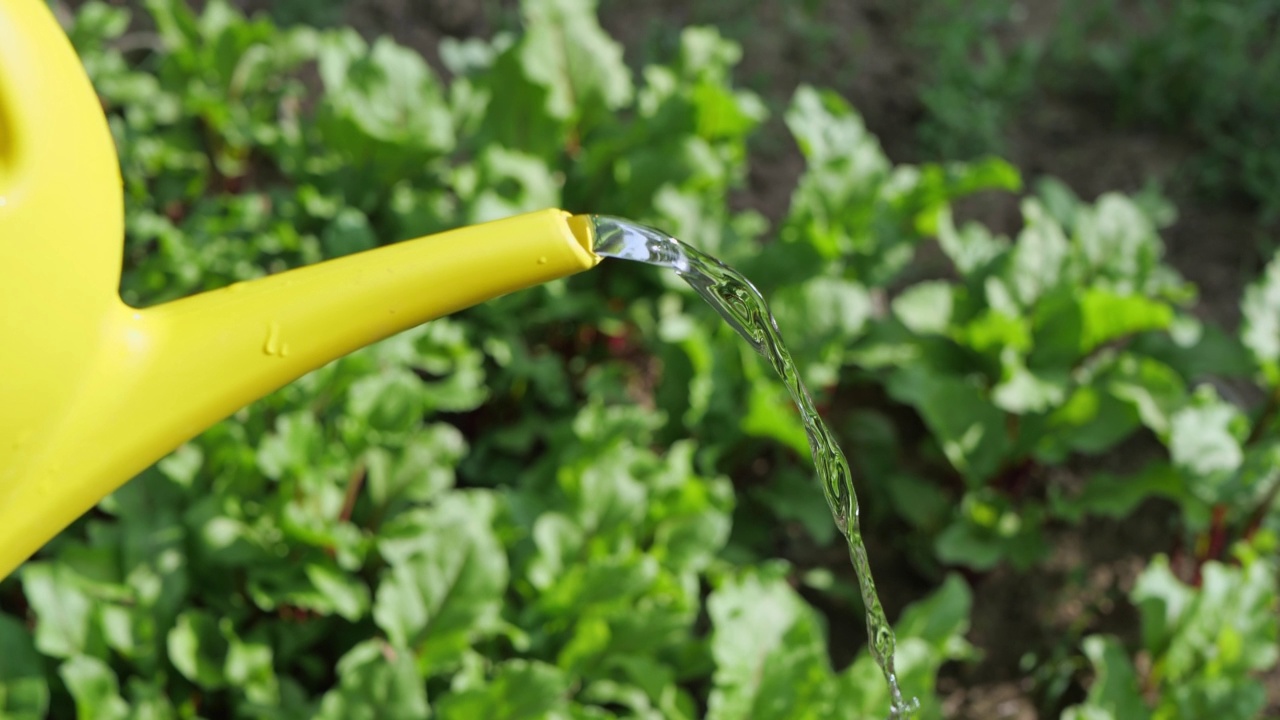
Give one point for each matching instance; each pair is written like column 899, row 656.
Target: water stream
column 744, row 308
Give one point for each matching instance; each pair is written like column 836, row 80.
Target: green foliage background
column 545, row 506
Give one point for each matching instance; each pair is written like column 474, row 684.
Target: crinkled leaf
column 421, row 470
column 1205, row 437
column 970, row 430
column 1022, row 391
column 1038, row 255
column 821, row 318
column 1117, row 239
column 64, row 612
column 376, row 681
column 444, row 587
column 518, row 689
column 565, row 50
column 925, row 307
column 970, row 247
column 347, row 595
column 386, row 93
column 1153, row 389
column 250, row 668
column 390, row 401
column 769, row 651
column 1205, row 641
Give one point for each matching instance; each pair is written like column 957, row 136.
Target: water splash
column 744, row 308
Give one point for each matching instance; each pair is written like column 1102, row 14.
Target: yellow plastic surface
column 93, row 391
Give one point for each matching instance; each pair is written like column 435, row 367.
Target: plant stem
column 353, row 491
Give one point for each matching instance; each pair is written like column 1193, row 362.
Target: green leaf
column 346, row 594
column 509, row 182
column 565, row 50
column 1197, row 350
column 1115, row 693
column 391, row 401
column 24, row 692
column 65, row 618
column 518, row 689
column 385, row 93
column 250, row 668
column 1116, row 496
column 293, row 447
column 1260, row 321
column 771, row 413
column 377, row 681
column 444, row 587
column 929, row 633
column 918, row 500
column 1116, row 239
column 989, row 530
column 1205, row 436
column 349, row 232
column 607, row 496
column 95, row 688
column 822, row 317
column 1022, row 391
column 1153, row 389
column 421, row 471
column 1090, row 421
column 828, row 131
column 794, row 496
column 1039, row 254
column 970, row 430
column 925, row 308
column 769, row 651
column 1206, row 641
column 971, row 247
column 95, row 22
column 942, row 619
column 198, row 649
column 1069, row 324
column 994, row 332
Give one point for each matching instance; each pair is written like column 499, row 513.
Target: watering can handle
column 93, row 391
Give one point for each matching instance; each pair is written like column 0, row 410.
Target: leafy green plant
column 975, row 82
column 1206, row 69
column 1203, row 644
column 481, row 517
column 567, row 502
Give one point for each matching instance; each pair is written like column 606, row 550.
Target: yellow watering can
column 92, row 391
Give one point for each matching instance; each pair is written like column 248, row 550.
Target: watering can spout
column 93, row 391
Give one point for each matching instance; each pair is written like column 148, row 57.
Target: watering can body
column 92, row 391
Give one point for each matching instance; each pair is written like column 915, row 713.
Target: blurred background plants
column 588, row 500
